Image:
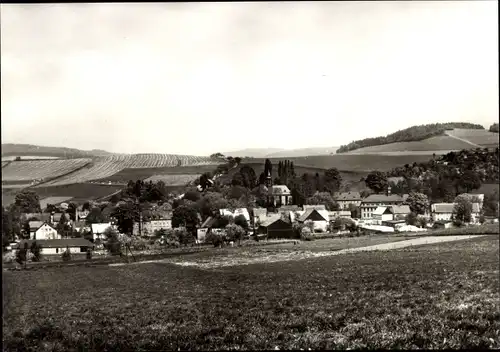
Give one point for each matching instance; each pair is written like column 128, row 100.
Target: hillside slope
column 411, row 134
column 12, row 149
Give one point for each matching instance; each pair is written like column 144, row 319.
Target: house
column 56, row 217
column 319, row 217
column 81, row 214
column 275, row 227
column 443, row 224
column 373, row 201
column 383, row 214
column 394, row 223
column 332, row 215
column 279, row 195
column 476, row 212
column 149, row 227
column 442, row 211
column 345, row 199
column 99, row 229
column 58, row 246
column 400, row 211
column 40, row 230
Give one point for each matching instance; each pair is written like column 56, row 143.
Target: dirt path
column 249, row 256
column 461, row 139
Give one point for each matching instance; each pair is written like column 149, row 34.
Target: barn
column 58, row 246
column 275, row 227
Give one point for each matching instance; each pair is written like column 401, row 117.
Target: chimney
column 388, row 190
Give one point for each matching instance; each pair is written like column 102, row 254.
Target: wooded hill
column 411, row 134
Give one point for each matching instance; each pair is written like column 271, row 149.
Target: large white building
column 42, row 231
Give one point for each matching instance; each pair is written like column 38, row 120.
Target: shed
column 275, row 227
column 58, row 246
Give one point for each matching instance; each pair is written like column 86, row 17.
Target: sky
column 200, row 78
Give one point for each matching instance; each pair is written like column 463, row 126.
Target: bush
column 30, row 257
column 66, row 255
column 138, row 243
column 21, row 254
column 36, row 250
column 306, row 234
column 458, row 223
column 89, row 254
column 215, row 239
column 234, row 232
column 482, row 219
column 171, row 238
column 9, row 257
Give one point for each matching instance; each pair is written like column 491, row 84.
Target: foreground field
column 439, row 296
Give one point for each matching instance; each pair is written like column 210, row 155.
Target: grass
column 443, row 296
column 126, row 175
column 482, row 137
column 485, row 229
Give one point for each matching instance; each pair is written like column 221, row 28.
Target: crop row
column 107, row 166
column 40, row 169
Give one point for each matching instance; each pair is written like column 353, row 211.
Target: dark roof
column 382, row 198
column 39, row 216
column 57, row 216
column 209, row 222
column 347, row 196
column 61, row 243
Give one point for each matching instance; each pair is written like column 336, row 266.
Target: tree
column 469, row 181
column 63, row 227
column 333, row 180
column 411, row 219
column 185, row 216
column 21, row 254
column 241, row 221
column 28, row 201
column 494, row 128
column 184, row 235
column 51, row 208
column 237, row 180
column 268, row 168
column 462, row 209
column 490, row 204
column 418, row 202
column 234, row 232
column 192, row 195
column 323, row 198
column 211, row 203
column 126, row 214
column 248, row 176
column 36, row 249
column 376, row 181
column 96, row 216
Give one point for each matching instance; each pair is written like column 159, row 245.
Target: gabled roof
column 383, row 210
column 401, row 209
column 60, row 243
column 289, row 208
column 279, row 189
column 39, row 216
column 309, row 212
column 382, row 198
column 345, row 196
column 270, row 220
column 442, row 208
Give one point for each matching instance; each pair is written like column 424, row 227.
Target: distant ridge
column 281, row 153
column 14, row 149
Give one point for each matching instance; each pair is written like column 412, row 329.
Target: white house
column 235, row 213
column 58, row 246
column 373, row 201
column 319, row 217
column 259, row 215
column 345, row 199
column 442, row 211
column 279, row 195
column 149, row 227
column 383, row 214
column 42, row 231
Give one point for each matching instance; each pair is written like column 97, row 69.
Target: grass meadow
column 435, row 296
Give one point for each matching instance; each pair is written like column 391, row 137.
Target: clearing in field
column 40, row 169
column 432, row 297
column 483, row 138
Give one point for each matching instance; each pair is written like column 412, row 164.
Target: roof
column 344, row 196
column 309, row 212
column 289, row 208
column 395, row 179
column 382, row 210
column 100, row 228
column 382, row 198
column 39, row 216
column 316, row 206
column 238, row 211
column 259, row 212
column 60, row 243
column 270, row 220
column 378, row 228
column 401, row 209
column 442, row 207
column 336, row 213
column 35, row 225
column 279, row 189
column 80, row 224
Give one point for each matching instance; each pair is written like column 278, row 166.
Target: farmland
column 438, row 144
column 53, row 201
column 353, row 163
column 481, row 137
column 40, row 169
column 432, row 297
column 104, row 167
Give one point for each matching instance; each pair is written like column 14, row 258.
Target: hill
column 411, row 134
column 12, row 149
column 253, row 152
